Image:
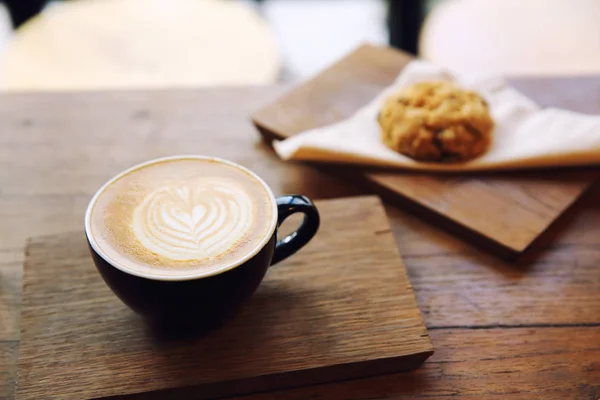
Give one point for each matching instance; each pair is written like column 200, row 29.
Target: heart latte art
column 182, row 216
column 196, row 220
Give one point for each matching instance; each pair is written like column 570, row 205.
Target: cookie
column 436, row 122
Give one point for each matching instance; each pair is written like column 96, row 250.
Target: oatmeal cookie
column 436, row 121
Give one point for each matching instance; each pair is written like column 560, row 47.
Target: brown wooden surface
column 504, row 212
column 340, row 308
column 540, row 317
column 523, row 363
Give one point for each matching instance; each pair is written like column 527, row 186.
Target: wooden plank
column 44, row 191
column 10, row 292
column 8, row 372
column 557, row 284
column 496, row 364
column 503, row 212
column 340, row 308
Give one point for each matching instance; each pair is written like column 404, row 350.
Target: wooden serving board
column 504, row 212
column 340, row 308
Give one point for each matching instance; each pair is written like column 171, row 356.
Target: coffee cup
column 187, row 239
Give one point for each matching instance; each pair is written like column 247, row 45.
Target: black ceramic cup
column 206, row 299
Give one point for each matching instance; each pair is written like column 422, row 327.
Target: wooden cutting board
column 340, row 308
column 504, row 212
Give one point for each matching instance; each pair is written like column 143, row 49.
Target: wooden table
column 501, row 331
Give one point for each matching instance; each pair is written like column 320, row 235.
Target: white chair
column 523, row 37
column 111, row 44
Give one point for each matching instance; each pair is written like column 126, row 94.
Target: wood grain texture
column 531, row 363
column 502, row 212
column 340, row 308
column 10, row 293
column 555, row 285
column 57, row 149
column 8, row 372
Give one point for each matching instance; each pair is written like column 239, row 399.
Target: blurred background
column 105, row 44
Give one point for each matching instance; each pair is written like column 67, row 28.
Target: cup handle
column 286, row 206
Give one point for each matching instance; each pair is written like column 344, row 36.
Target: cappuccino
column 181, row 216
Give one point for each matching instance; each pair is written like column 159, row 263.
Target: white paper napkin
column 525, row 136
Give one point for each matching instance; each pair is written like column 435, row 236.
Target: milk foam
column 181, row 216
column 193, row 220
